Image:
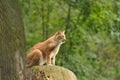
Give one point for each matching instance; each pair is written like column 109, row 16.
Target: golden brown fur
column 45, row 52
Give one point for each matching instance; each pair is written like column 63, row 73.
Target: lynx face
column 60, row 36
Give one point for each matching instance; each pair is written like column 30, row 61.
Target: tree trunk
column 11, row 40
column 48, row 73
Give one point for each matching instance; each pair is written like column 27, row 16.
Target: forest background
column 92, row 49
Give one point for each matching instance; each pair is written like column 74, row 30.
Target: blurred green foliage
column 92, row 49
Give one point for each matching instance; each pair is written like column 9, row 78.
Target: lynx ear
column 57, row 33
column 63, row 31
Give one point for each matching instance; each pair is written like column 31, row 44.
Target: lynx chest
column 55, row 51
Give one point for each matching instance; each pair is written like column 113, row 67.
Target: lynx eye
column 62, row 36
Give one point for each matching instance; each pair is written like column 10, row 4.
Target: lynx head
column 60, row 36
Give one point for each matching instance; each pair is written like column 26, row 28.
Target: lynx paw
column 50, row 64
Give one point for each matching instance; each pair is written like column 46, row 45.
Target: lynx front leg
column 49, row 60
column 53, row 60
